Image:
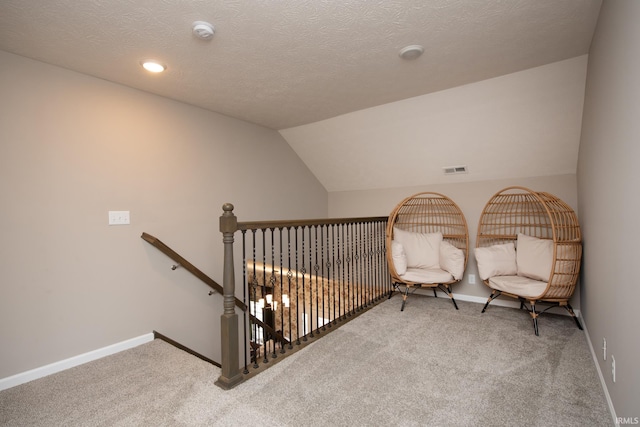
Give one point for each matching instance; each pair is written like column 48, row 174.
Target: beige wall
column 469, row 196
column 608, row 178
column 517, row 125
column 74, row 147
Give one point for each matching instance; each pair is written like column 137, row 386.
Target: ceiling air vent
column 452, row 170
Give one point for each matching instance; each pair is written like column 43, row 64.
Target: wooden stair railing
column 157, row 243
column 307, row 276
column 340, row 263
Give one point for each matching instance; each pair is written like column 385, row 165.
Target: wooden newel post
column 231, row 375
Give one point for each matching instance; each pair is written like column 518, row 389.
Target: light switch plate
column 119, row 218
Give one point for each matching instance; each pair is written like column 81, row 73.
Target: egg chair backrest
column 429, row 212
column 519, row 210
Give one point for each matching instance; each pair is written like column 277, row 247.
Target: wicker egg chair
column 432, row 219
column 537, row 236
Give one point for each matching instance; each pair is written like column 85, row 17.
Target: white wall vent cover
column 452, row 170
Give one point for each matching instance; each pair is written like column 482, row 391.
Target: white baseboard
column 52, row 368
column 604, row 384
column 516, row 304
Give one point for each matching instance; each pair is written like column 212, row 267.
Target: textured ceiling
column 287, row 63
column 327, row 75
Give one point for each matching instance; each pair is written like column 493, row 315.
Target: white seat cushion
column 518, row 285
column 427, row 275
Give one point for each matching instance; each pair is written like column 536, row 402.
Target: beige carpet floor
column 430, row 365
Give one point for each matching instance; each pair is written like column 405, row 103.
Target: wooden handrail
column 188, row 266
column 264, row 225
column 206, row 279
column 366, row 253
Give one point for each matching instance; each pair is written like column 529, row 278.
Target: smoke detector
column 411, row 52
column 203, row 30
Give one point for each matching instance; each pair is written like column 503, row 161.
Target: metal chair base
column 532, row 308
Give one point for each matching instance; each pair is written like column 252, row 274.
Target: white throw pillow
column 452, row 259
column 496, row 260
column 422, row 249
column 535, row 257
column 399, row 257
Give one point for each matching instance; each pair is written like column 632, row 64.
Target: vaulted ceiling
column 290, row 63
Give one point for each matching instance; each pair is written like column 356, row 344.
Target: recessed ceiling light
column 411, row 52
column 154, row 66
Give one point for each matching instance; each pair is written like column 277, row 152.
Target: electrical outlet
column 604, row 349
column 613, row 368
column 472, row 279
